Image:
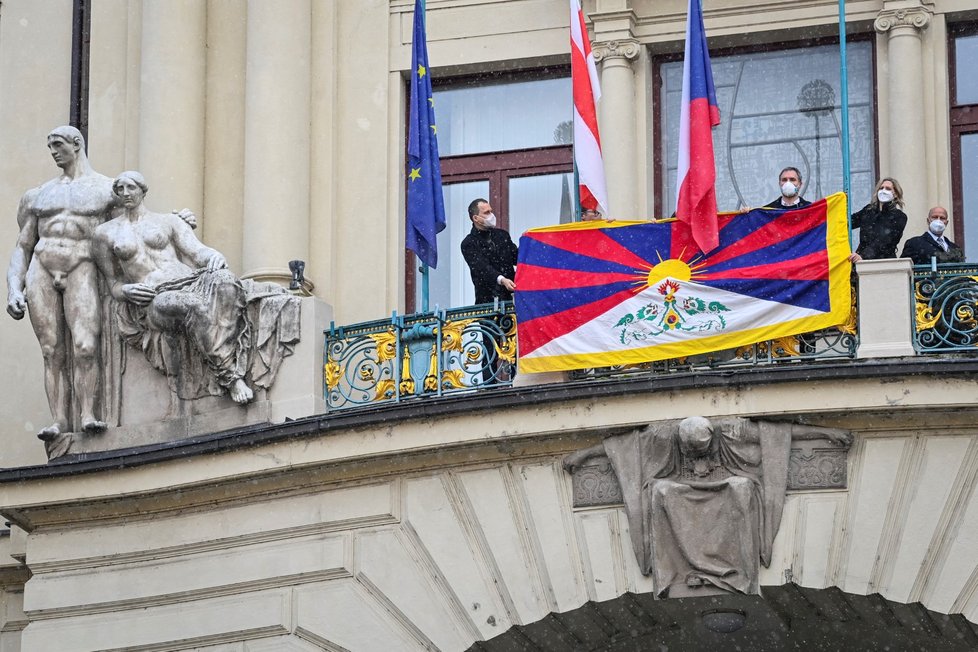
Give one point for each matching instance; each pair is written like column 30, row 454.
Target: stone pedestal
column 885, row 308
column 149, row 413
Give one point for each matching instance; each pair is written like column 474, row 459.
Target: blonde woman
column 880, row 222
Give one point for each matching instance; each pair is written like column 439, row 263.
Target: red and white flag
column 587, row 91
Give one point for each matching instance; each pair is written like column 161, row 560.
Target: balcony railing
column 945, row 308
column 465, row 349
column 413, row 356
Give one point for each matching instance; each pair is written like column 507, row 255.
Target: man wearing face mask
column 490, row 254
column 790, row 199
column 922, row 248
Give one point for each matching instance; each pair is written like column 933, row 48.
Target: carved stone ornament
column 704, row 497
column 624, row 49
column 915, row 17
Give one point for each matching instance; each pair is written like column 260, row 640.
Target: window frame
column 658, row 164
column 963, row 119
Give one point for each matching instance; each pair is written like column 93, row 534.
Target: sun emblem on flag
column 673, row 313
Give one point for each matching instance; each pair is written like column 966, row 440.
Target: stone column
column 224, row 184
column 276, row 153
column 171, row 116
column 617, row 124
column 905, row 77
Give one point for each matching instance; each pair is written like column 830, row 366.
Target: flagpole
column 844, row 79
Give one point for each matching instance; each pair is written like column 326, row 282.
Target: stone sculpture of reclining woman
column 180, row 304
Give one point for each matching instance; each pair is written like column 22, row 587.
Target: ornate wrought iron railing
column 826, row 344
column 945, row 308
column 464, row 349
column 413, row 356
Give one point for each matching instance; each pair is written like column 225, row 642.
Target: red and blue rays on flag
column 597, row 294
column 696, row 202
column 425, row 203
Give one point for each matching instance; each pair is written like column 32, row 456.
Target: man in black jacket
column 790, row 183
column 921, row 248
column 490, row 254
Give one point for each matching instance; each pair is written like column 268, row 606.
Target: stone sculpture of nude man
column 52, row 271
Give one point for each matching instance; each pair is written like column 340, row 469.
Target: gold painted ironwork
column 332, row 374
column 926, row 317
column 385, row 389
column 453, row 378
column 451, row 333
column 386, row 344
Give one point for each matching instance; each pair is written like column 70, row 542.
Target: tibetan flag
column 592, row 189
column 425, row 203
column 696, row 202
column 596, row 294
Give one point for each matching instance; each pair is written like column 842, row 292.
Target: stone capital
column 627, row 49
column 913, row 17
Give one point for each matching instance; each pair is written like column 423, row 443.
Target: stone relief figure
column 208, row 331
column 52, row 274
column 704, row 497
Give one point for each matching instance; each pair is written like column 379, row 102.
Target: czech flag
column 592, row 188
column 696, row 202
column 598, row 294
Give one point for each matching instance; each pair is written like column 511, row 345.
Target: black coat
column 922, row 247
column 489, row 255
column 879, row 230
column 802, row 203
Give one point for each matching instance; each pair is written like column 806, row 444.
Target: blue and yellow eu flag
column 425, row 204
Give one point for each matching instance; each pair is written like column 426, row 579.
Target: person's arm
column 483, row 272
column 913, row 251
column 189, row 247
column 857, row 217
column 20, row 259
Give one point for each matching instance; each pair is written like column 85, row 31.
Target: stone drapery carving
column 196, row 322
column 703, row 498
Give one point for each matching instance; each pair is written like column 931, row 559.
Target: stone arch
column 786, row 617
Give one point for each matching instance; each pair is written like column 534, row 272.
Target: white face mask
column 489, row 220
column 937, row 227
column 885, row 195
column 789, row 189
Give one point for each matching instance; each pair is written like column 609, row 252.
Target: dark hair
column 474, row 206
column 791, row 169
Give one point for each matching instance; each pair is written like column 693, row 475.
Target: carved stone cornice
column 915, row 17
column 627, row 49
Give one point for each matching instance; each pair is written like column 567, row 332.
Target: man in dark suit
column 790, row 183
column 490, row 254
column 922, row 248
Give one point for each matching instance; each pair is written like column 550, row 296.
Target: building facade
column 281, row 123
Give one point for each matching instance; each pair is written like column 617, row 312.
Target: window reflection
column 542, row 200
column 503, row 116
column 966, row 82
column 969, row 193
column 779, row 108
column 450, row 285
